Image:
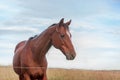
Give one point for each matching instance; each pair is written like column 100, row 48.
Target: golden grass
column 7, row 73
column 67, row 74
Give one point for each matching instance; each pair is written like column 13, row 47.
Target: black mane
column 33, row 37
column 52, row 24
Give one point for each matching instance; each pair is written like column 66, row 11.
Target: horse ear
column 68, row 23
column 61, row 22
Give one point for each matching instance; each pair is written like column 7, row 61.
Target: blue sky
column 95, row 30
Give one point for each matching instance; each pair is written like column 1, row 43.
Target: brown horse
column 29, row 60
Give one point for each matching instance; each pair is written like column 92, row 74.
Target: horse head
column 61, row 39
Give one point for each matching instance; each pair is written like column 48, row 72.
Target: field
column 7, row 73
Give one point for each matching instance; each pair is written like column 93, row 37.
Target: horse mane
column 52, row 25
column 37, row 35
column 33, row 37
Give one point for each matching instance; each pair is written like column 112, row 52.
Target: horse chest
column 36, row 72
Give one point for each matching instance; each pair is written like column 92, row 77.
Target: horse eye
column 62, row 36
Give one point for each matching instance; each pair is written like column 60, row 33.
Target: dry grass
column 7, row 73
column 64, row 74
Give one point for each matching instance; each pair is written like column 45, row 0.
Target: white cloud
column 6, row 45
column 95, row 42
column 5, row 6
column 2, row 7
column 91, row 40
column 19, row 29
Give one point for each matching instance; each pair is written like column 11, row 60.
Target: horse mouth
column 70, row 57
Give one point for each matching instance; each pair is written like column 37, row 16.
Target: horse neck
column 42, row 43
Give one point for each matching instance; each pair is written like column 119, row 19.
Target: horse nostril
column 73, row 56
column 70, row 56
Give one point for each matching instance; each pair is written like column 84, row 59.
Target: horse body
column 29, row 60
column 38, row 63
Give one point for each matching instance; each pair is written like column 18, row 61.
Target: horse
column 29, row 60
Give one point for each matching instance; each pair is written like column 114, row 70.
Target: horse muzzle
column 70, row 56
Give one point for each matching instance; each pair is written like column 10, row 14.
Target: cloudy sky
column 95, row 30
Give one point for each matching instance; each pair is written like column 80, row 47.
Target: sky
column 95, row 30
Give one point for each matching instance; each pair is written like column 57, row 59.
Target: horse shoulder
column 19, row 45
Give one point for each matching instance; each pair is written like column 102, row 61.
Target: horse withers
column 29, row 60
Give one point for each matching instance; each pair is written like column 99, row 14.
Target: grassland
column 7, row 73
